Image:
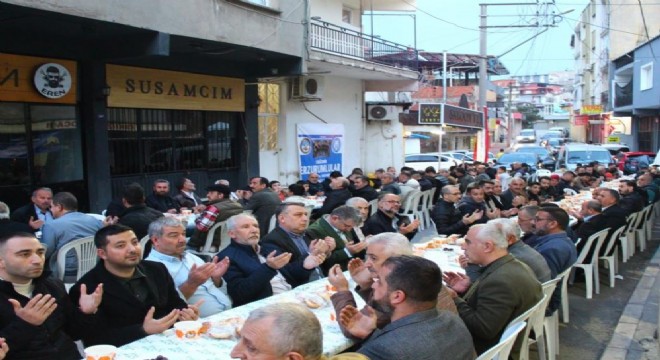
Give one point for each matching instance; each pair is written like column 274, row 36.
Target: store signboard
column 591, row 109
column 37, row 79
column 443, row 114
column 132, row 87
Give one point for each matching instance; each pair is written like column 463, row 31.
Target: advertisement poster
column 320, row 147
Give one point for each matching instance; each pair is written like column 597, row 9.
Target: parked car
column 556, row 143
column 547, row 159
column 552, row 135
column 562, row 130
column 616, row 148
column 529, row 158
column 573, row 154
column 526, row 136
column 632, row 162
column 422, row 161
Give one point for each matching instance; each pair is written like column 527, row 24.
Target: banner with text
column 320, row 147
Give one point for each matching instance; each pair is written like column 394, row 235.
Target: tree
column 530, row 112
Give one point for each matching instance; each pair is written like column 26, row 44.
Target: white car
column 422, row 161
column 526, row 136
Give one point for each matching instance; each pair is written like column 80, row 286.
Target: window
column 347, row 15
column 269, row 113
column 149, row 140
column 13, row 145
column 646, row 76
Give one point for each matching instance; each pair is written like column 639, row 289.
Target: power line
column 646, row 28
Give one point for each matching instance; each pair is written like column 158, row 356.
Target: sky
column 453, row 25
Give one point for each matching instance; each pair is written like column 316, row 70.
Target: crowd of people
column 515, row 237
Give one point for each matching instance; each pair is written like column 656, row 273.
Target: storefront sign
column 591, row 109
column 35, row 79
column 161, row 89
column 320, row 148
column 438, row 114
column 613, row 139
column 581, row 120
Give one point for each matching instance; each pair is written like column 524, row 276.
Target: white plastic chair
column 612, row 260
column 503, row 348
column 143, row 243
column 537, row 323
column 373, row 206
column 525, row 317
column 412, row 203
column 640, row 229
column 273, row 223
column 85, row 251
column 207, row 249
column 565, row 316
column 627, row 237
column 590, row 266
column 569, row 191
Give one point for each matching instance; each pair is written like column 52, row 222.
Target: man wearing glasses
column 388, row 219
column 448, row 220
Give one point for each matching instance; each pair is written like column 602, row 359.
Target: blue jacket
column 247, row 278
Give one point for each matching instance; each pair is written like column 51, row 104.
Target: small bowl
column 100, row 352
column 187, row 329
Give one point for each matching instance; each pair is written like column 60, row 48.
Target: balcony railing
column 350, row 43
column 623, row 95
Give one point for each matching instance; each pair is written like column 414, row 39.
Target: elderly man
column 194, row 279
column 388, row 184
column 219, row 208
column 187, row 197
column 506, row 287
column 363, row 189
column 267, row 334
column 8, row 226
column 631, row 200
column 315, row 186
column 68, row 225
column 526, row 222
column 336, row 197
column 37, row 212
column 645, row 182
column 37, row 319
column 139, row 297
column 263, row 202
column 515, row 195
column 481, row 173
column 160, row 198
column 362, row 206
column 473, row 203
column 253, row 273
column 410, row 303
column 590, row 221
column 448, row 220
column 289, row 237
column 613, row 214
column 338, row 225
column 387, row 218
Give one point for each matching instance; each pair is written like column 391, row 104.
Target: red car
column 631, row 162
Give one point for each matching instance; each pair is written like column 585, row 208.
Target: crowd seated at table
column 513, row 241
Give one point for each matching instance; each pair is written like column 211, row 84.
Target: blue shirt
column 215, row 300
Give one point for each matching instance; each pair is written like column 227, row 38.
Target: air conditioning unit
column 306, row 88
column 382, row 112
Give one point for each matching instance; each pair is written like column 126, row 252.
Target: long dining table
column 315, row 293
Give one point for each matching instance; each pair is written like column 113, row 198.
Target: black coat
column 24, row 213
column 632, row 202
column 448, row 220
column 467, row 206
column 368, row 193
column 51, row 340
column 380, row 223
column 121, row 315
column 294, row 272
column 588, row 228
column 138, row 218
column 162, row 203
column 333, row 200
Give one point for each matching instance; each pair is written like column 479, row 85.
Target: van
column 573, row 154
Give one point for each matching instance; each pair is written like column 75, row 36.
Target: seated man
column 139, row 297
column 415, row 322
column 253, row 274
column 631, row 199
column 137, row 215
column 160, row 198
column 68, row 225
column 335, row 198
column 363, row 189
column 187, row 197
column 362, row 207
column 388, row 219
column 219, row 208
column 37, row 212
column 37, row 319
column 506, row 287
column 262, row 202
column 590, row 221
column 474, row 202
column 268, row 332
column 389, row 185
column 289, row 237
column 194, row 279
column 448, row 220
column 338, row 225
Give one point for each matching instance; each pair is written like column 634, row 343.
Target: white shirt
column 215, row 300
column 278, row 282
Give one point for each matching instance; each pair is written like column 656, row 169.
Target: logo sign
column 430, row 114
column 52, row 80
column 591, row 109
column 438, row 114
column 613, row 139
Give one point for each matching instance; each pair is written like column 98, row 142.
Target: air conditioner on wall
column 306, row 88
column 382, row 112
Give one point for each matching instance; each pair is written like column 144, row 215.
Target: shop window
column 55, row 144
column 269, row 112
column 13, row 145
column 146, row 140
column 646, row 76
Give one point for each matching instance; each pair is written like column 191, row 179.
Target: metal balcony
column 335, row 39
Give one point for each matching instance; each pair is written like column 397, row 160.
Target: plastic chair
column 564, row 295
column 207, row 249
column 640, row 229
column 525, row 317
column 503, row 348
column 85, row 251
column 537, row 323
column 569, row 191
column 648, row 225
column 627, row 238
column 612, row 260
column 411, row 205
column 273, row 223
column 590, row 266
column 373, row 206
column 143, row 243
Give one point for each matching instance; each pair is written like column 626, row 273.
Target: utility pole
column 509, row 122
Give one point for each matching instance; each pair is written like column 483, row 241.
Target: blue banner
column 320, row 147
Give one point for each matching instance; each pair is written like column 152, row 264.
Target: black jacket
column 162, row 203
column 467, row 206
column 380, row 223
column 121, row 315
column 138, row 218
column 23, row 213
column 588, row 228
column 51, row 340
column 368, row 193
column 632, row 202
column 278, row 240
column 333, row 200
column 448, row 220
